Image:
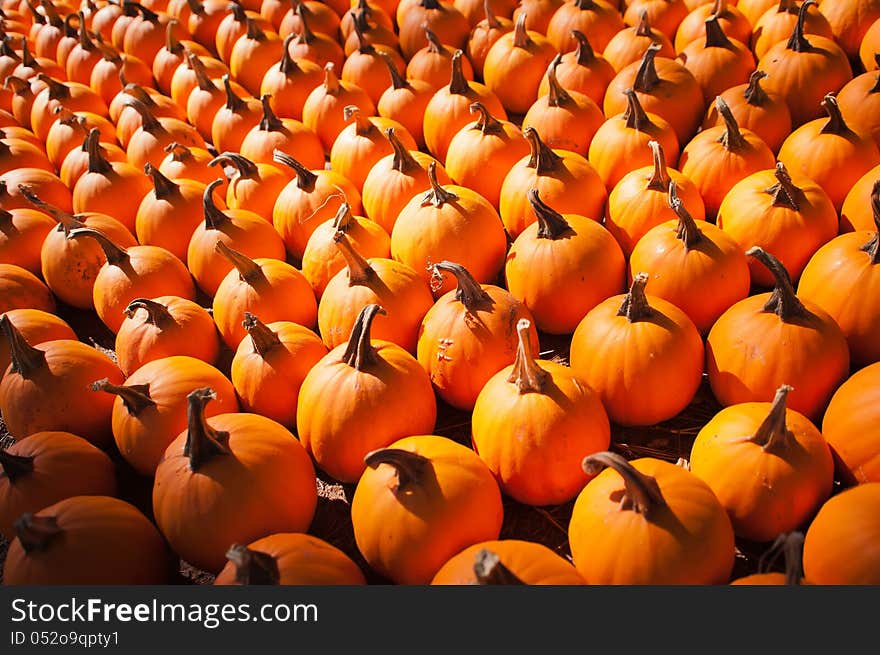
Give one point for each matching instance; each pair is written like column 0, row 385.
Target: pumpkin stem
column 71, row 26
column 647, row 77
column 254, row 31
column 248, row 270
column 116, row 255
column 410, row 467
column 835, row 124
column 359, row 353
column 344, row 218
column 157, row 313
column 521, row 38
column 288, row 64
column 85, row 42
column 27, row 59
column 403, row 160
column 783, row 301
column 644, row 27
column 149, row 122
column 635, row 115
column 791, row 546
column 732, row 138
column 363, row 125
column 15, row 466
column 214, row 218
column 798, row 39
column 458, row 84
column 488, row 569
column 437, row 196
column 486, row 123
column 491, row 19
column 331, row 81
column 364, row 46
column 19, row 86
column 178, row 151
column 198, row 68
column 526, row 374
column 359, row 269
column 660, row 179
column 136, row 397
column 584, row 53
column 557, row 97
column 641, row 492
column 66, row 222
column 773, row 433
column 784, row 192
column 306, row 35
column 584, row 5
column 203, row 442
column 26, row 360
column 398, row 81
column 635, row 304
column 172, row 43
column 233, row 102
column 147, row 14
column 6, row 225
column 754, row 93
column 36, row 533
column 715, row 36
column 551, row 224
column 687, row 229
column 434, row 45
column 253, row 567
column 262, row 337
column 196, row 7
column 247, row 169
column 873, row 246
column 269, row 122
column 138, row 92
column 98, row 163
column 51, row 14
column 542, row 157
column 162, row 186
column 57, row 90
column 304, row 177
column 469, row 292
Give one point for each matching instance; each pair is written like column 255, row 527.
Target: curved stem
column 469, row 292
column 162, row 187
column 635, row 116
column 263, row 339
column 733, row 138
column 36, row 533
column 635, row 304
column 344, row 218
column 521, row 38
column 542, row 157
column 306, row 35
column 157, row 313
column 246, row 168
column 715, row 36
column 784, row 192
column 403, row 160
column 526, row 374
column 85, row 42
column 798, row 40
column 557, row 97
column 57, row 90
column 288, row 65
column 434, row 46
column 138, row 92
column 773, row 434
column 873, row 246
column 551, row 224
column 116, row 255
column 19, row 86
column 203, row 443
column 660, row 179
column 233, row 102
column 488, row 569
column 359, row 353
column 136, row 397
column 147, row 14
column 248, row 270
column 437, row 196
column 359, row 269
column 331, row 81
column 364, row 46
column 687, row 229
column 253, row 567
column 754, row 93
column 66, row 222
column 641, row 492
column 584, row 55
column 51, row 14
column 27, row 59
column 363, row 125
column 26, row 360
column 305, row 178
column 254, row 31
column 458, row 84
column 491, row 19
column 201, row 74
column 783, row 301
column 269, row 122
column 214, row 218
column 835, row 124
column 172, row 43
column 411, row 468
column 15, row 466
column 398, row 81
column 486, row 123
column 647, row 77
column 149, row 122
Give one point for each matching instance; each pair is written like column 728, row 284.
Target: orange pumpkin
column 253, row 55
column 172, row 55
column 22, row 232
column 442, row 17
column 235, row 119
column 859, row 102
column 432, row 63
column 629, row 44
column 484, row 35
column 21, row 289
column 183, row 162
column 365, row 66
column 667, row 15
column 730, row 19
column 253, row 186
column 323, row 109
column 507, row 561
column 39, row 181
column 73, row 95
column 405, row 101
column 777, row 23
column 850, row 21
column 289, row 82
column 598, row 18
column 36, row 326
column 312, row 45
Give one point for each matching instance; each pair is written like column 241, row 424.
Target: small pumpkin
column 323, row 110
column 366, row 67
column 857, row 211
column 148, row 142
column 629, row 44
column 538, row 13
column 22, row 232
column 582, row 70
column 850, row 21
column 777, row 23
column 235, row 119
column 253, row 186
column 40, row 181
column 507, row 561
column 128, row 120
column 69, row 131
column 314, row 46
column 253, row 55
column 183, row 162
column 289, row 82
column 432, row 63
column 442, row 17
column 732, row 21
column 859, row 102
column 172, row 55
column 36, row 326
column 21, row 289
column 667, row 15
column 484, row 35
column 206, row 98
column 405, row 101
column 598, row 18
column 15, row 153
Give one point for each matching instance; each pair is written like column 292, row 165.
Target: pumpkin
column 405, row 101
column 507, row 561
column 468, row 335
column 449, row 109
column 22, row 232
column 432, row 63
column 565, row 179
column 850, row 21
column 629, row 44
column 366, row 67
column 449, row 222
column 184, row 79
column 15, row 153
column 321, row 17
column 234, row 120
column 484, row 35
column 403, row 293
column 531, row 423
column 549, row 260
column 51, row 32
column 107, row 75
column 618, row 146
column 598, row 18
column 322, row 260
column 321, row 49
column 381, row 394
column 253, row 55
column 693, row 264
column 435, row 497
column 270, row 364
column 148, row 142
column 69, row 131
column 871, row 47
column 36, row 326
column 145, row 36
column 818, row 59
column 581, row 70
column 228, row 479
column 830, row 153
column 233, row 26
column 375, row 32
column 46, row 387
column 247, row 232
column 167, row 326
column 149, row 410
column 39, row 181
column 204, row 20
column 777, row 23
column 74, row 96
column 395, row 179
column 859, row 102
column 719, row 157
column 443, row 18
column 182, row 162
column 22, row 101
column 129, row 120
column 857, row 212
column 87, row 540
column 648, row 501
column 849, row 425
column 269, row 287
column 567, row 119
column 323, row 109
column 768, row 466
column 730, row 19
column 252, row 186
column 840, row 544
column 76, row 163
column 289, row 559
column 205, row 100
column 796, row 340
column 46, row 468
column 667, row 15
column 172, row 55
column 847, row 264
column 791, row 546
column 83, row 56
column 538, row 13
column 790, row 217
column 487, row 139
column 289, row 82
column 754, row 9
column 21, row 289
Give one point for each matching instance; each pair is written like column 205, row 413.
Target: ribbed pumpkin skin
column 533, row 563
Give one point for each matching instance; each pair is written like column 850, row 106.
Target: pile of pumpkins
column 382, row 207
